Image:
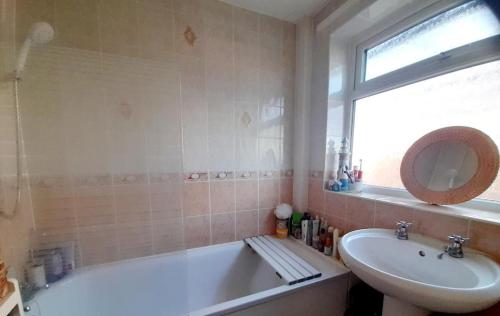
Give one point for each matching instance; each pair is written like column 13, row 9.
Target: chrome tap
column 402, row 230
column 455, row 248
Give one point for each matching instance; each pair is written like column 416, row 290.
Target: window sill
column 465, row 210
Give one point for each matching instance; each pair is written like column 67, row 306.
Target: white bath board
column 289, row 266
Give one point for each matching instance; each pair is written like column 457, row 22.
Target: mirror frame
column 487, row 167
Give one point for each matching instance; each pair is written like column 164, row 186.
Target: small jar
column 281, row 228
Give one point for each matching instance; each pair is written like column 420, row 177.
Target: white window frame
column 476, row 53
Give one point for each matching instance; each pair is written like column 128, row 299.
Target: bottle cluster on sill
column 315, row 232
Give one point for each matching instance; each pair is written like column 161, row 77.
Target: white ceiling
column 289, row 10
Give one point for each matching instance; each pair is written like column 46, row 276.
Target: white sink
column 413, row 278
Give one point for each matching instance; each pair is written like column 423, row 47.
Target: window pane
column 387, row 124
column 462, row 25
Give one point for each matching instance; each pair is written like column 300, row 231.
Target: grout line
column 259, row 88
column 233, row 46
column 180, row 106
column 207, row 132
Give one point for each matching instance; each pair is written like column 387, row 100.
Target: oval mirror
column 450, row 165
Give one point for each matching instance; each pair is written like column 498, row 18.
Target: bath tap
column 402, row 230
column 455, row 248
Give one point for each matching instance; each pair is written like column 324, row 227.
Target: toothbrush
column 346, row 171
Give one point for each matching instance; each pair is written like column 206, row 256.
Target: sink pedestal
column 395, row 307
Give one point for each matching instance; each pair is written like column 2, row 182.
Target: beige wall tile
column 188, row 6
column 360, row 212
column 155, row 30
column 197, row 231
column 168, row 235
column 485, row 237
column 246, row 20
column 267, row 222
column 222, row 196
column 246, row 224
column 286, row 191
column 76, row 24
column 335, row 205
column 132, row 203
column 135, row 240
column 189, row 23
column 98, row 244
column 269, row 190
column 118, row 27
column 95, row 205
column 223, row 228
column 246, row 195
column 338, row 222
column 195, row 198
column 316, row 195
column 387, row 215
column 438, row 226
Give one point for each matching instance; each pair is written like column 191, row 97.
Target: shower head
column 41, row 33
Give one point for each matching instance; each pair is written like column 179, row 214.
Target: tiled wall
column 349, row 212
column 14, row 233
column 120, row 111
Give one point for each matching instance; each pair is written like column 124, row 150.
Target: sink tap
column 455, row 248
column 402, row 230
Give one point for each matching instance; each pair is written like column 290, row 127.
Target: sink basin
column 414, row 278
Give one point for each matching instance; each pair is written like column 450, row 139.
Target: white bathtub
column 214, row 280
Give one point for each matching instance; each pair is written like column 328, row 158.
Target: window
column 440, row 69
column 468, row 23
column 468, row 97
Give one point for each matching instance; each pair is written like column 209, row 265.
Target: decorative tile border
column 47, row 182
column 287, row 173
column 246, row 175
column 92, row 180
column 221, row 175
column 317, row 174
column 269, row 174
column 164, row 177
column 195, row 176
column 131, row 178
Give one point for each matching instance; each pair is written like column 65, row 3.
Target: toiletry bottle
column 324, row 224
column 330, row 185
column 36, row 274
column 315, row 242
column 336, row 186
column 322, row 238
column 329, row 242
column 344, row 183
column 316, row 223
column 304, row 223
column 295, row 224
column 360, row 171
column 332, row 159
column 309, row 232
column 335, row 242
